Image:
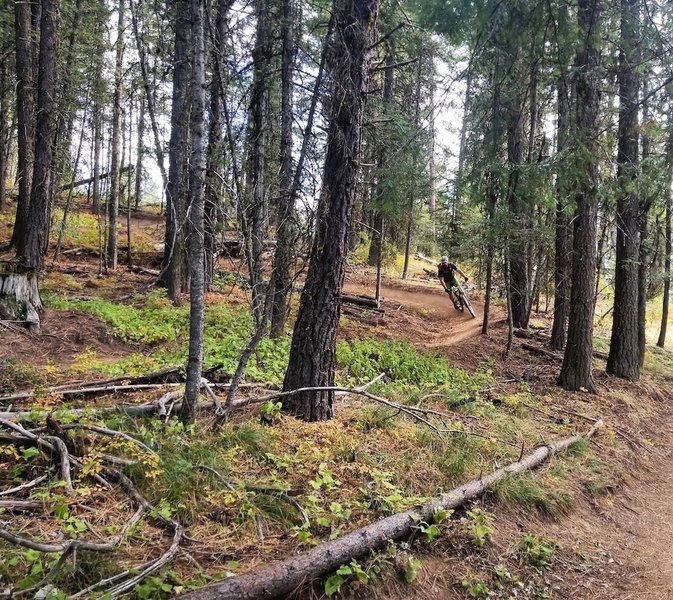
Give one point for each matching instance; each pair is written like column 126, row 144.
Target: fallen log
column 365, row 301
column 80, row 182
column 287, row 576
column 541, row 351
column 152, row 380
column 425, row 259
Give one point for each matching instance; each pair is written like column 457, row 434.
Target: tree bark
column 417, row 124
column 623, row 359
column 197, row 169
column 25, row 112
column 562, row 250
column 140, row 150
column 115, row 163
column 255, row 208
column 177, row 154
column 375, row 256
column 312, row 353
column 519, row 285
column 284, row 577
column 661, row 341
column 491, row 191
column 215, row 152
column 37, row 233
column 281, row 280
column 576, row 368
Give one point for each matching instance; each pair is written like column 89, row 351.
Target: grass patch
column 528, row 491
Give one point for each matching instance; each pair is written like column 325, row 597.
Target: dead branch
column 24, row 486
column 286, row 576
column 20, row 505
column 74, row 545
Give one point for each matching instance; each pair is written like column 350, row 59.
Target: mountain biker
column 446, row 272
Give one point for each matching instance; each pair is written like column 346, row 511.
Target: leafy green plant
column 352, row 572
column 536, row 551
column 475, row 588
column 478, row 525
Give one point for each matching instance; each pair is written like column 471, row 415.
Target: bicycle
column 461, row 301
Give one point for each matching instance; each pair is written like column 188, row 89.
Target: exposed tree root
column 283, row 577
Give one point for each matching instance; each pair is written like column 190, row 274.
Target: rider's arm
column 461, row 274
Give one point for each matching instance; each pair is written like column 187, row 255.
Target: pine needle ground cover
column 264, row 485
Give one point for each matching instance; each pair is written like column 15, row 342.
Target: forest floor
column 593, row 525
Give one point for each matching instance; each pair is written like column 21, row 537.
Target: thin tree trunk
column 280, row 285
column 197, row 168
column 375, row 256
column 140, row 150
column 115, row 163
column 4, row 141
column 577, row 360
column 177, row 155
column 312, row 353
column 215, row 152
column 623, row 360
column 149, row 97
column 25, row 109
column 417, row 124
column 491, row 193
column 255, row 209
column 661, row 341
column 37, row 234
column 562, row 251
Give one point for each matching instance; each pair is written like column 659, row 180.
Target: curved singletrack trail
column 444, row 325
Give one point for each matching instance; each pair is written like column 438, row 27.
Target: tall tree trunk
column 375, row 256
column 492, row 190
column 115, row 166
column 140, row 150
column 149, row 96
column 97, row 143
column 518, row 276
column 414, row 190
column 562, row 256
column 661, row 341
column 623, row 359
column 646, row 202
column 577, row 360
column 4, row 141
column 312, row 354
column 25, row 109
column 281, row 279
column 37, row 230
column 255, row 209
column 197, row 169
column 177, row 154
column 215, row 150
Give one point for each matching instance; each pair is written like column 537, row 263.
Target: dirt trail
column 443, row 324
column 624, row 549
column 631, row 541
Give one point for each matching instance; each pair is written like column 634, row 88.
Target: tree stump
column 19, row 295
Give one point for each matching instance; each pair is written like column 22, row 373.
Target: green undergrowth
column 162, row 330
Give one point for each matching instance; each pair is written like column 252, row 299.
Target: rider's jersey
column 446, row 271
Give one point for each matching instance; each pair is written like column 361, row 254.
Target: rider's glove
column 466, row 279
column 448, row 291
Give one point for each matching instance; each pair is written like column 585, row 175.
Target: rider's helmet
column 444, row 260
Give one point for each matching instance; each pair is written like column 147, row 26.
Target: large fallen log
column 286, row 576
column 365, row 301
